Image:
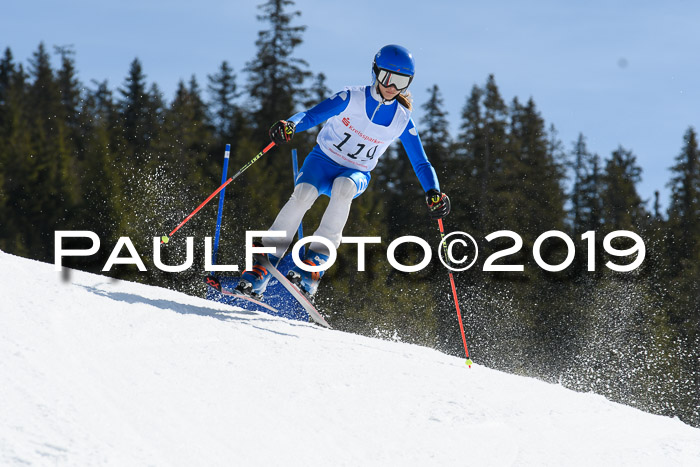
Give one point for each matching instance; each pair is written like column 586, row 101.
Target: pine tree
column 469, row 179
column 586, row 206
column 223, row 90
column 8, row 74
column 275, row 86
column 684, row 209
column 45, row 189
column 657, row 206
column 69, row 87
column 275, row 75
column 434, row 132
column 580, row 154
column 492, row 163
column 102, row 178
column 535, row 174
column 7, row 69
column 532, row 199
column 15, row 145
column 44, row 94
column 684, row 248
column 71, row 95
column 622, row 206
column 155, row 113
column 189, row 133
column 137, row 106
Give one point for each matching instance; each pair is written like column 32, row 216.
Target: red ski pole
column 454, row 294
column 166, row 238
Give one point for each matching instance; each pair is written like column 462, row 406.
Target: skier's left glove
column 282, row 131
column 438, row 204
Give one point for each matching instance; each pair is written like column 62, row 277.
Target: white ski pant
column 332, row 223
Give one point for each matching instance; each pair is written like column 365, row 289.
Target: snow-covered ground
column 101, row 372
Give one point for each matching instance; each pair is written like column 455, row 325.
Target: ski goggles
column 389, row 78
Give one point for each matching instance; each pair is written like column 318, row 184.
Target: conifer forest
column 127, row 161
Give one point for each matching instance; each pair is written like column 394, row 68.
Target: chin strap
column 377, row 94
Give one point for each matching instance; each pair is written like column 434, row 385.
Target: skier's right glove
column 438, row 204
column 282, row 132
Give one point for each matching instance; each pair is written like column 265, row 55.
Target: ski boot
column 307, row 281
column 254, row 282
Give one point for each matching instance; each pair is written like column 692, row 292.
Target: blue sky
column 620, row 72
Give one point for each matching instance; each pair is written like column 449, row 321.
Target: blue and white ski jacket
column 357, row 139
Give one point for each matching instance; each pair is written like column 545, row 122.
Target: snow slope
column 101, row 372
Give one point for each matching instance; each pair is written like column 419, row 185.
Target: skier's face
column 388, row 93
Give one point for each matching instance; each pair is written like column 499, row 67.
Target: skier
column 361, row 123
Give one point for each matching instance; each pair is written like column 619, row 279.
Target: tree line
column 128, row 162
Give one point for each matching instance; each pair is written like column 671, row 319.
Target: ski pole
column 454, row 293
column 166, row 238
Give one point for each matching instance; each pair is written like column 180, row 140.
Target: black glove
column 438, row 204
column 282, row 131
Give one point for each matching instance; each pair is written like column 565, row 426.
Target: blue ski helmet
column 394, row 59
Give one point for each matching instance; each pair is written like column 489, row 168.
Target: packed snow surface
column 102, row 372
